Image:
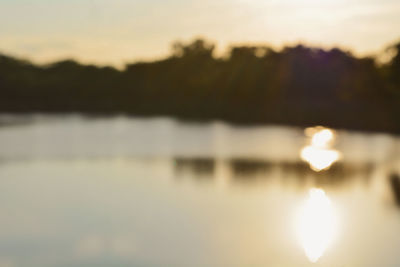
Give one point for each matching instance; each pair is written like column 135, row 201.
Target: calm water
column 76, row 191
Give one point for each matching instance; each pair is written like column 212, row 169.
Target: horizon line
column 219, row 53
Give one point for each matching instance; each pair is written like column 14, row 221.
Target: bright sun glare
column 316, row 224
column 319, row 154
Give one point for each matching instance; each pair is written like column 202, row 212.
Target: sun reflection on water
column 319, row 153
column 316, row 224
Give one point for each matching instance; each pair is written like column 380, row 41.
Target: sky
column 121, row 31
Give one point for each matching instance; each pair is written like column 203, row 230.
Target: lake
column 120, row 191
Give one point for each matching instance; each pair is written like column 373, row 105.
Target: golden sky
column 119, row 31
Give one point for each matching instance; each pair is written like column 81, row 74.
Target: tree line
column 296, row 85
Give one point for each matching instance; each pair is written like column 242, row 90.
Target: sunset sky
column 119, row 31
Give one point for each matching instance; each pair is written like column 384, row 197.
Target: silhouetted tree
column 254, row 84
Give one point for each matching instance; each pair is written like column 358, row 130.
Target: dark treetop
column 253, row 84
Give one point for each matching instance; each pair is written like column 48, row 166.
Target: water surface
column 120, row 191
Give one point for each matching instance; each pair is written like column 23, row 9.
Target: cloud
column 5, row 262
column 94, row 246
